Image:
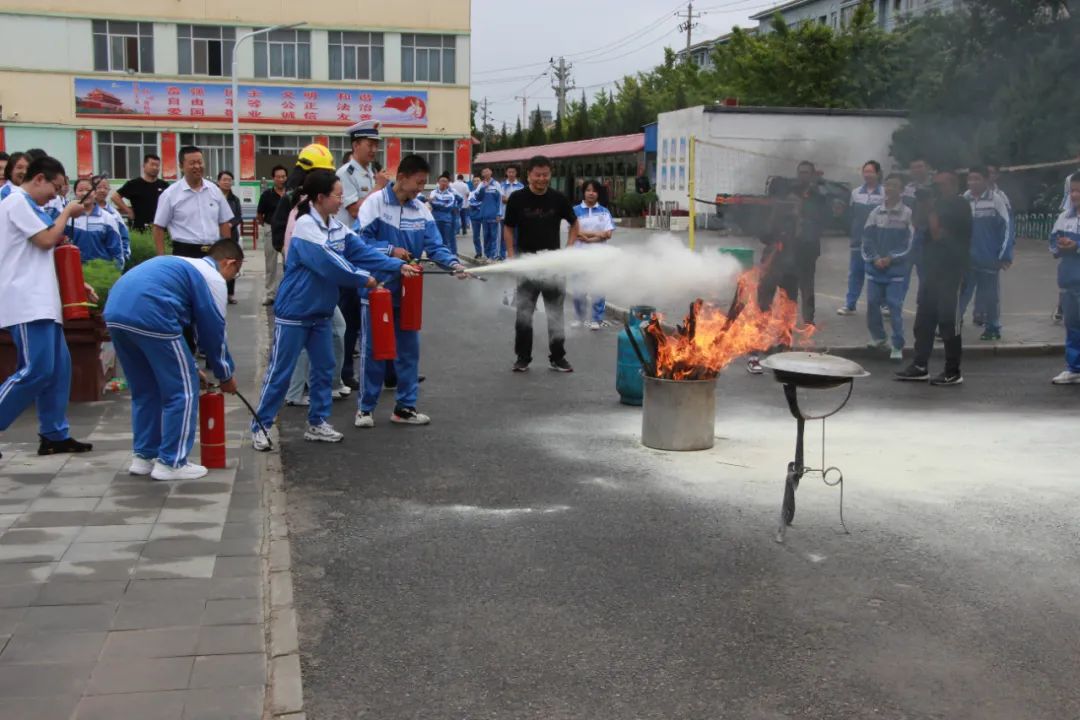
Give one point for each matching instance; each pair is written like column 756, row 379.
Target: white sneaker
column 364, row 419
column 896, row 354
column 576, row 324
column 845, row 311
column 877, row 344
column 188, row 471
column 409, row 416
column 140, row 466
column 260, row 440
column 323, row 432
column 344, row 391
column 1066, row 377
column 594, row 326
column 302, row 402
column 336, row 395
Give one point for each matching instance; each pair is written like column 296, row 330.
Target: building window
column 120, row 154
column 217, row 152
column 428, row 58
column 356, row 56
column 281, row 144
column 339, row 145
column 123, row 46
column 283, row 54
column 205, row 50
column 438, row 153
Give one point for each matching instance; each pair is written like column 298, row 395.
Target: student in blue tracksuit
column 147, row 311
column 95, row 232
column 992, row 244
column 595, row 225
column 30, row 306
column 323, row 256
column 395, row 223
column 1065, row 246
column 863, row 200
column 489, row 201
column 474, row 217
column 509, row 186
column 444, row 206
column 887, row 240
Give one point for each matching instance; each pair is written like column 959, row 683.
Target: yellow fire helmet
column 315, row 157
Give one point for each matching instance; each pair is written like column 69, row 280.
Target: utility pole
column 484, row 123
column 562, row 84
column 688, row 25
column 524, row 112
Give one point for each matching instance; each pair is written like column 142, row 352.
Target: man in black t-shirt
column 268, row 203
column 536, row 213
column 143, row 193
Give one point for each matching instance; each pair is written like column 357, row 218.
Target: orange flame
column 710, row 339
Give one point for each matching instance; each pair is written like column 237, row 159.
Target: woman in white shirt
column 595, row 226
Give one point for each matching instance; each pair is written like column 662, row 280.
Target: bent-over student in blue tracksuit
column 323, row 257
column 886, row 247
column 147, row 311
column 395, row 223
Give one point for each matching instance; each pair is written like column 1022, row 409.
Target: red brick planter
column 90, row 368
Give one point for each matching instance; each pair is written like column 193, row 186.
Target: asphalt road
column 525, row 557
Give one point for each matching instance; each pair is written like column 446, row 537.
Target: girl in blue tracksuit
column 323, row 256
column 595, row 225
column 146, row 312
column 489, row 196
column 863, row 200
column 992, row 242
column 886, row 246
column 395, row 223
column 444, row 206
column 1065, row 246
column 96, row 233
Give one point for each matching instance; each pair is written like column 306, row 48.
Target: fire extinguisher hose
column 254, row 416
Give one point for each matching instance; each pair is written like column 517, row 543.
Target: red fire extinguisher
column 212, row 429
column 69, row 274
column 383, row 344
column 412, row 301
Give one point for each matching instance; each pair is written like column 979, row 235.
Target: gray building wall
column 836, row 13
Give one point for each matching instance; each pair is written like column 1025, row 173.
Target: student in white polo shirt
column 30, row 306
column 194, row 212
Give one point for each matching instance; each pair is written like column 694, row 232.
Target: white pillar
column 392, row 57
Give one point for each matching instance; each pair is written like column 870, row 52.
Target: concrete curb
column 284, row 680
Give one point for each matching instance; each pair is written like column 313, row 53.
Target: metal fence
column 1034, row 226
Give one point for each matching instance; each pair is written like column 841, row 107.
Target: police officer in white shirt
column 193, row 211
column 358, row 176
column 30, row 306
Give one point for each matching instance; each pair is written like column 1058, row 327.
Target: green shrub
column 633, row 204
column 101, row 275
column 142, row 248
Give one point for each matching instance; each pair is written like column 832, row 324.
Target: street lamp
column 235, row 88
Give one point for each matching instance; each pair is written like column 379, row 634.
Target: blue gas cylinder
column 628, row 380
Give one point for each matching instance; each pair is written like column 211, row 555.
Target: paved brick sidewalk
column 121, row 597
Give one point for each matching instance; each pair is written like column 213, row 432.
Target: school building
column 101, row 84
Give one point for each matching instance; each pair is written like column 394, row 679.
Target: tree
column 579, row 122
column 518, row 138
column 556, row 135
column 503, row 140
column 537, row 135
column 633, row 112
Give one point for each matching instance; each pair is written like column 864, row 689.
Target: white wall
column 462, row 69
column 46, row 43
column 58, row 142
column 320, row 55
column 166, row 51
column 245, row 57
column 392, row 57
column 741, row 150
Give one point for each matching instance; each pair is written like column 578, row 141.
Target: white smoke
column 661, row 272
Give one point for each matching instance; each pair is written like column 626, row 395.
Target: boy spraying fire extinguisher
column 147, row 311
column 323, row 256
column 397, row 224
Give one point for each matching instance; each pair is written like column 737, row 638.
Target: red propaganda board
column 3, row 146
column 463, row 156
column 393, row 155
column 84, row 153
column 247, row 157
column 168, row 155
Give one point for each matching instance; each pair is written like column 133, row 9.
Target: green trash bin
column 745, row 256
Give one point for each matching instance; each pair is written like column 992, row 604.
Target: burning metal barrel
column 679, row 414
